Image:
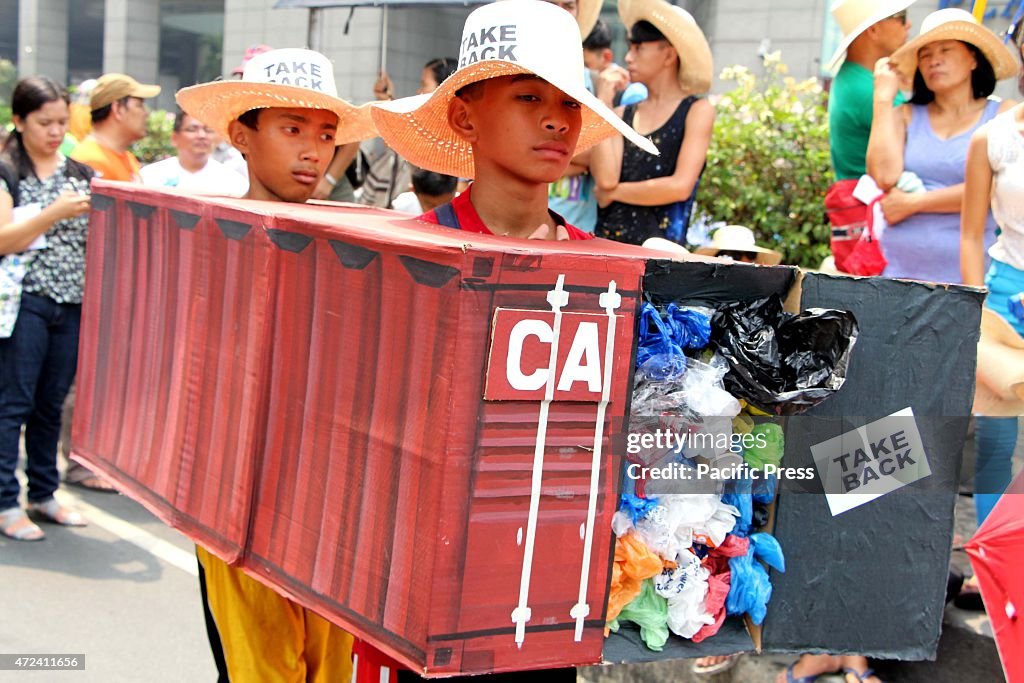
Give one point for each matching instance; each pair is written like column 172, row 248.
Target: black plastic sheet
column 780, row 362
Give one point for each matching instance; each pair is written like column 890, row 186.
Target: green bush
column 157, row 143
column 8, row 79
column 768, row 164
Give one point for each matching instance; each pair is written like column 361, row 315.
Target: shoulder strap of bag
column 445, row 215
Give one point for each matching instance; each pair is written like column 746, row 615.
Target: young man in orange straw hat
column 640, row 197
column 512, row 117
column 285, row 117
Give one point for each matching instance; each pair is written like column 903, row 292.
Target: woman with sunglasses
column 954, row 65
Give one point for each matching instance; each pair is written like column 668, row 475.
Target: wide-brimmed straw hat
column 739, row 238
column 1000, row 388
column 587, row 14
column 682, row 32
column 500, row 39
column 856, row 16
column 956, row 24
column 287, row 78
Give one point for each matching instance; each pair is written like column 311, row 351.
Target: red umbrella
column 997, row 555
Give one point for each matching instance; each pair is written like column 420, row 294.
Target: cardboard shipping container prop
column 408, row 429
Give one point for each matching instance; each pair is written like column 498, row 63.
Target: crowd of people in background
column 948, row 159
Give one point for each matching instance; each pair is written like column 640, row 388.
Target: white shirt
column 407, row 202
column 1006, row 155
column 212, row 179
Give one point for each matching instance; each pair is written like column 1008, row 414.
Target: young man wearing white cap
column 287, row 149
column 872, row 30
column 512, row 117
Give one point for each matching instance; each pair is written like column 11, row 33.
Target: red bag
column 855, row 248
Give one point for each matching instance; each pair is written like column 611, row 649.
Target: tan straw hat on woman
column 739, row 238
column 287, row 78
column 957, row 24
column 500, row 39
column 682, row 32
column 856, row 16
column 587, row 14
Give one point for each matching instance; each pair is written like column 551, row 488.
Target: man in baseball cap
column 119, row 116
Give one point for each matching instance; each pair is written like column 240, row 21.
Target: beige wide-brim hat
column 956, row 24
column 1000, row 375
column 587, row 14
column 500, row 39
column 286, row 78
column 681, row 30
column 739, row 238
column 856, row 16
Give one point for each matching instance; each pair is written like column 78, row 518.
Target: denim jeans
column 37, row 367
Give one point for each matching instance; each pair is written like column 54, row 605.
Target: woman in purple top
column 955, row 64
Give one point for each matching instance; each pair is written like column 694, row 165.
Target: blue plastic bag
column 750, row 588
column 658, row 355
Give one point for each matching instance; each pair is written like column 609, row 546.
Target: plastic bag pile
column 686, row 561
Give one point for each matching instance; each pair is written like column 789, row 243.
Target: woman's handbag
column 855, row 244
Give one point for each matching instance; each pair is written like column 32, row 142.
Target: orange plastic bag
column 634, row 562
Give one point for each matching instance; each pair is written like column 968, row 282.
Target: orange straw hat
column 289, row 78
column 499, row 39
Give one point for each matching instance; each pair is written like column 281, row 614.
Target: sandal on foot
column 92, row 482
column 803, row 679
column 52, row 511
column 716, row 668
column 15, row 525
column 862, row 677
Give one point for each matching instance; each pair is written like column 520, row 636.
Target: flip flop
column 862, row 677
column 52, row 511
column 15, row 525
column 724, row 665
column 802, row 679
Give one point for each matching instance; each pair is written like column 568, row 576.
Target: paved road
column 122, row 590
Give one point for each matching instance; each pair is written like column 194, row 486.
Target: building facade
column 179, row 42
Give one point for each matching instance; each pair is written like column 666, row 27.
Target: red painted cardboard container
column 406, row 427
column 303, row 395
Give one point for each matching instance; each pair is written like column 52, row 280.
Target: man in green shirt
column 872, row 30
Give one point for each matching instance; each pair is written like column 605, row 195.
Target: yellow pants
column 268, row 638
